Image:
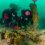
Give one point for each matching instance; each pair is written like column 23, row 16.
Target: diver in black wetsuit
column 8, row 15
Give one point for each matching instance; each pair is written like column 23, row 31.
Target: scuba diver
column 9, row 14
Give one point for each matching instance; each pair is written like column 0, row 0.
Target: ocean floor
column 42, row 37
